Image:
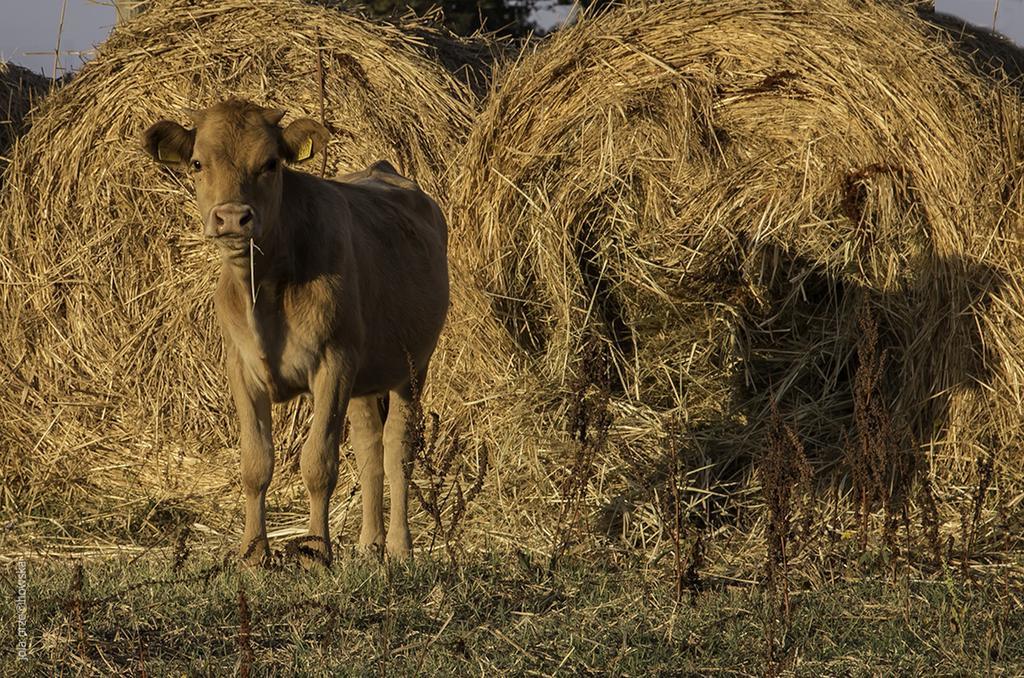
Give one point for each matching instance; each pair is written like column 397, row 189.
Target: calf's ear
column 169, row 143
column 303, row 139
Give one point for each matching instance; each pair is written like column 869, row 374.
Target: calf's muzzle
column 230, row 220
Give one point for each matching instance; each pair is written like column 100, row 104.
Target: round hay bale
column 20, row 90
column 714, row 189
column 107, row 286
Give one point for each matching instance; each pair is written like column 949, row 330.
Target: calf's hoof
column 400, row 547
column 311, row 551
column 311, row 562
column 372, row 551
column 255, row 552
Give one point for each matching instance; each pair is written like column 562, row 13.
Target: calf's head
column 235, row 153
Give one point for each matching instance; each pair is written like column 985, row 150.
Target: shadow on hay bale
column 801, row 352
column 109, row 336
column 20, row 91
column 714, row 189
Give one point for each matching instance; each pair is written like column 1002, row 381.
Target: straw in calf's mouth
column 253, row 287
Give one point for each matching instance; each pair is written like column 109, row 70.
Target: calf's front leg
column 257, row 458
column 331, row 385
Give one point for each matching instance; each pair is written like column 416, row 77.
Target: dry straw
column 117, row 419
column 714, row 189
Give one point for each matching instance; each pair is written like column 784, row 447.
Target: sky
column 31, row 26
column 1009, row 21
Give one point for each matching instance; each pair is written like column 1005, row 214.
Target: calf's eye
column 196, row 166
column 270, row 166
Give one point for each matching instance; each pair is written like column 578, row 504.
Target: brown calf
column 338, row 289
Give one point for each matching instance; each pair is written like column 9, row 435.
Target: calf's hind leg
column 397, row 454
column 366, row 431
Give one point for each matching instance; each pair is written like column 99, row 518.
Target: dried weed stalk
column 590, row 421
column 881, row 471
column 443, row 473
column 244, row 635
column 672, row 515
column 985, row 466
column 784, row 472
column 77, row 606
column 182, row 550
column 930, row 520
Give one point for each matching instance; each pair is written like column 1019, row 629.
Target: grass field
column 494, row 613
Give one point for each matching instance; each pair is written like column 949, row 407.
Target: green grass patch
column 493, row 613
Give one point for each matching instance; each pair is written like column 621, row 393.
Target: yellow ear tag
column 305, row 151
column 167, row 154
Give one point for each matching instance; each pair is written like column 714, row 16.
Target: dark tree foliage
column 461, row 17
column 510, row 17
